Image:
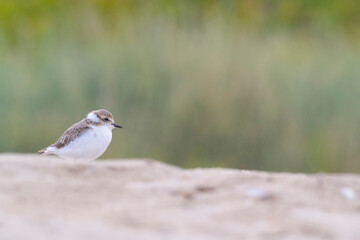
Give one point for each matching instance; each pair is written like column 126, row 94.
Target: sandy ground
column 49, row 198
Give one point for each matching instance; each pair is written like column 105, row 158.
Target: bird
column 85, row 140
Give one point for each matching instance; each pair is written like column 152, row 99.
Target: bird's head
column 104, row 118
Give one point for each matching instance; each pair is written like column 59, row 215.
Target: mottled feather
column 73, row 132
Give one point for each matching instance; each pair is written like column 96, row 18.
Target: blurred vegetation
column 270, row 85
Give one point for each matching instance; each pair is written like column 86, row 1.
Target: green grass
column 195, row 96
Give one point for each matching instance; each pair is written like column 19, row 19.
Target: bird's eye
column 106, row 119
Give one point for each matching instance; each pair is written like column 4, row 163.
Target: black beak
column 117, row 125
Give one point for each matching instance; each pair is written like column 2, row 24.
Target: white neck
column 92, row 116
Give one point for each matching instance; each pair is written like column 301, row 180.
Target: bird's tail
column 47, row 150
column 43, row 151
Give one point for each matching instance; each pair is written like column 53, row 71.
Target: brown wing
column 71, row 133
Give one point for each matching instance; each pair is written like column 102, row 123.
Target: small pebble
column 256, row 193
column 348, row 193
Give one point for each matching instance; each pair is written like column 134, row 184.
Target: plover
column 87, row 139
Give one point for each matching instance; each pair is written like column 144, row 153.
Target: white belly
column 90, row 145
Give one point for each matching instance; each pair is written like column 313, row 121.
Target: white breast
column 91, row 145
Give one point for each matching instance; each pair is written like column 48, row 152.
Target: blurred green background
column 268, row 85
